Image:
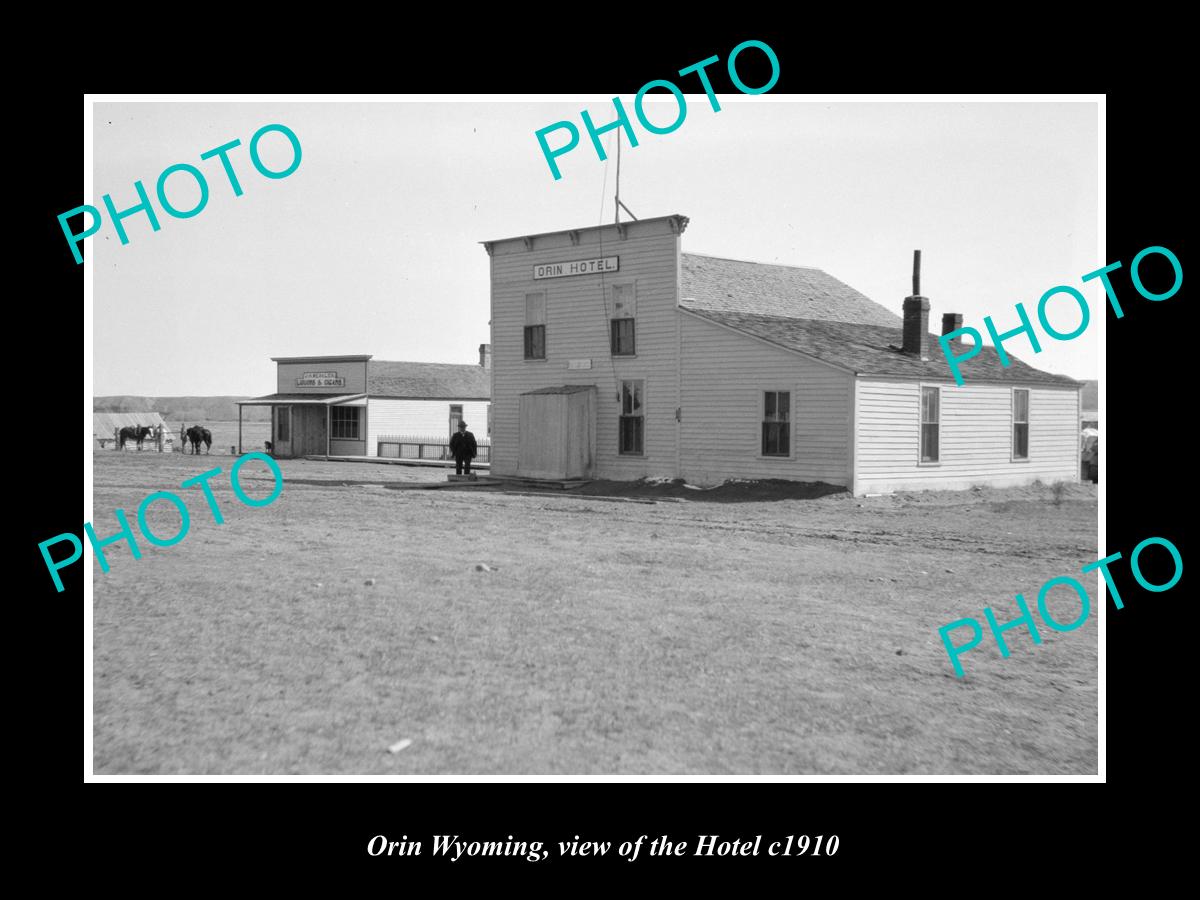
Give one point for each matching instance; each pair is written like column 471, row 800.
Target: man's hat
column 462, row 424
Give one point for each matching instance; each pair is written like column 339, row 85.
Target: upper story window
column 535, row 325
column 624, row 319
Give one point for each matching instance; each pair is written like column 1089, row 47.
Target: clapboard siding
column 724, row 376
column 975, row 440
column 577, row 327
column 420, row 418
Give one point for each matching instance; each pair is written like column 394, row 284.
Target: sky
column 373, row 244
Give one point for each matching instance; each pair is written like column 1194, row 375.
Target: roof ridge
column 757, row 262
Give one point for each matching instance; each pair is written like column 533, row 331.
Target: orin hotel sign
column 578, row 267
column 320, row 379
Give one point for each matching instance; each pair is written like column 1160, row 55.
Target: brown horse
column 132, row 433
column 196, row 434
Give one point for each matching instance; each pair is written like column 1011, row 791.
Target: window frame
column 630, row 287
column 621, row 417
column 921, row 423
column 1013, row 423
column 334, row 423
column 529, row 330
column 530, row 326
column 763, row 421
column 612, row 336
column 280, row 412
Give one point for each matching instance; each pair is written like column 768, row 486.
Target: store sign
column 579, row 267
column 320, row 379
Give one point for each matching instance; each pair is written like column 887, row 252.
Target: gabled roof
column 428, row 381
column 737, row 286
column 869, row 349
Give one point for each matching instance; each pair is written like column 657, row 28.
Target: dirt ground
column 666, row 631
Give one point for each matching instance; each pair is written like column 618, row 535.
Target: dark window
column 535, row 325
column 930, row 423
column 535, row 341
column 633, row 417
column 343, row 423
column 776, row 424
column 1020, row 424
column 283, row 421
column 623, row 337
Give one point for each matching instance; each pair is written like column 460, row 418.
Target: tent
column 105, row 425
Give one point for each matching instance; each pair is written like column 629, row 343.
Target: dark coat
column 462, row 445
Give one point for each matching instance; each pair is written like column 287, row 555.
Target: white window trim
column 928, row 463
column 1012, row 427
column 791, row 455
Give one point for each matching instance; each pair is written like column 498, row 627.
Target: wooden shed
column 558, row 432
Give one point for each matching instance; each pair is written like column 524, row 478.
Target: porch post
column 239, row 429
column 328, row 417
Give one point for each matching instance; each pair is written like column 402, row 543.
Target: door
column 456, row 414
column 281, row 430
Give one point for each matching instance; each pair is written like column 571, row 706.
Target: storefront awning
column 309, row 399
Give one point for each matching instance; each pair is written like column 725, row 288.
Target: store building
column 351, row 405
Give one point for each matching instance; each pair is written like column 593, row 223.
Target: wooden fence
column 426, row 447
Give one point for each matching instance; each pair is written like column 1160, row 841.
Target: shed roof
column 562, row 389
column 428, row 381
column 313, row 399
column 738, row 286
column 868, row 349
column 105, row 423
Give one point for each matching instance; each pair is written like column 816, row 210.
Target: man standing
column 462, row 445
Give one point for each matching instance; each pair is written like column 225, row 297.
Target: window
column 776, row 426
column 931, row 402
column 1020, row 424
column 343, row 423
column 622, row 337
column 633, row 417
column 283, row 421
column 535, row 325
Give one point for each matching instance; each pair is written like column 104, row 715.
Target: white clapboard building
column 616, row 355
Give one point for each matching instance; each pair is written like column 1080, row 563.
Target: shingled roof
column 737, row 286
column 428, row 381
column 871, row 349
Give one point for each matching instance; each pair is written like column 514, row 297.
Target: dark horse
column 130, row 433
column 196, row 434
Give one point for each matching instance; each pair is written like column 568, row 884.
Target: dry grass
column 796, row 636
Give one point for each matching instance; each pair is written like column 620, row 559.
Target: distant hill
column 176, row 410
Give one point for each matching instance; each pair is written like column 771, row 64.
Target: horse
column 196, row 434
column 132, row 433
